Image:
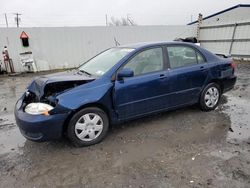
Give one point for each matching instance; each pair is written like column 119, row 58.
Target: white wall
column 66, row 47
column 238, row 14
column 239, row 48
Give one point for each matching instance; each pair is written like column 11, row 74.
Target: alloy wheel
column 211, row 97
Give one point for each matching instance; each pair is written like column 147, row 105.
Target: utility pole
column 17, row 19
column 6, row 20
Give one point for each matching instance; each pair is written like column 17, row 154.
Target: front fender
column 76, row 98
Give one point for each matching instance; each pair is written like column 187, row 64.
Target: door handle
column 162, row 76
column 202, row 68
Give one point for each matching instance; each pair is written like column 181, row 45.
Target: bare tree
column 121, row 22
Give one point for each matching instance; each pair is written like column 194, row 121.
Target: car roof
column 139, row 46
column 149, row 44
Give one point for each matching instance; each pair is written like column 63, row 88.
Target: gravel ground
column 181, row 148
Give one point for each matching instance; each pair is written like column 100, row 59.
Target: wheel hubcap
column 211, row 97
column 89, row 127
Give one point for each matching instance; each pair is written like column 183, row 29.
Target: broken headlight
column 38, row 109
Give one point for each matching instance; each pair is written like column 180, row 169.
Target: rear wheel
column 210, row 97
column 88, row 126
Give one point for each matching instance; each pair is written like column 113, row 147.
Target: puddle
column 7, row 121
column 11, row 141
column 225, row 155
column 238, row 109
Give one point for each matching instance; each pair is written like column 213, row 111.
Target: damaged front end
column 41, row 94
column 38, row 112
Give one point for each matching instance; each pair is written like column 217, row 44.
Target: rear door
column 188, row 71
column 145, row 91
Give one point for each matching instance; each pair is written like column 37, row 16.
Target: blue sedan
column 120, row 84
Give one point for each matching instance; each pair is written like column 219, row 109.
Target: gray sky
column 92, row 12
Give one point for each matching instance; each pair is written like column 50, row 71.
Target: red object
column 233, row 65
column 24, row 35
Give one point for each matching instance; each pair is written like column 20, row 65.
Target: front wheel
column 88, row 126
column 210, row 97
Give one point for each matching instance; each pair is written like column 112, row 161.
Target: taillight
column 233, row 65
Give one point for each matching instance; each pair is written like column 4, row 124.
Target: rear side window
column 182, row 56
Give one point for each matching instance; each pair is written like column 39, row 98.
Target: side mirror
column 126, row 72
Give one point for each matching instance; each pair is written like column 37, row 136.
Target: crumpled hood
column 37, row 86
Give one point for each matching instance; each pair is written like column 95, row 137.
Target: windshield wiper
column 85, row 72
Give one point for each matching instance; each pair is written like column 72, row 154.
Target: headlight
column 38, row 108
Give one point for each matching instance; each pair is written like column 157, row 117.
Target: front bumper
column 39, row 127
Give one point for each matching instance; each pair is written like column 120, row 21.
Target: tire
column 87, row 127
column 210, row 97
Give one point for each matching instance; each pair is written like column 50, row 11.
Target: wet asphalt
column 181, row 148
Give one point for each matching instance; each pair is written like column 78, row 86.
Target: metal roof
column 223, row 11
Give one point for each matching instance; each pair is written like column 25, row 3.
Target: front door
column 144, row 92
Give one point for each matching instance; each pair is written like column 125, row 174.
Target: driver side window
column 150, row 60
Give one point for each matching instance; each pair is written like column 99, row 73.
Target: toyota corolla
column 120, row 84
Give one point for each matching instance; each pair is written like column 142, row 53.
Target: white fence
column 66, row 47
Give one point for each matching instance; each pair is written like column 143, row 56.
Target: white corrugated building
column 227, row 31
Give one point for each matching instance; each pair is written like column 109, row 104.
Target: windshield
column 104, row 61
